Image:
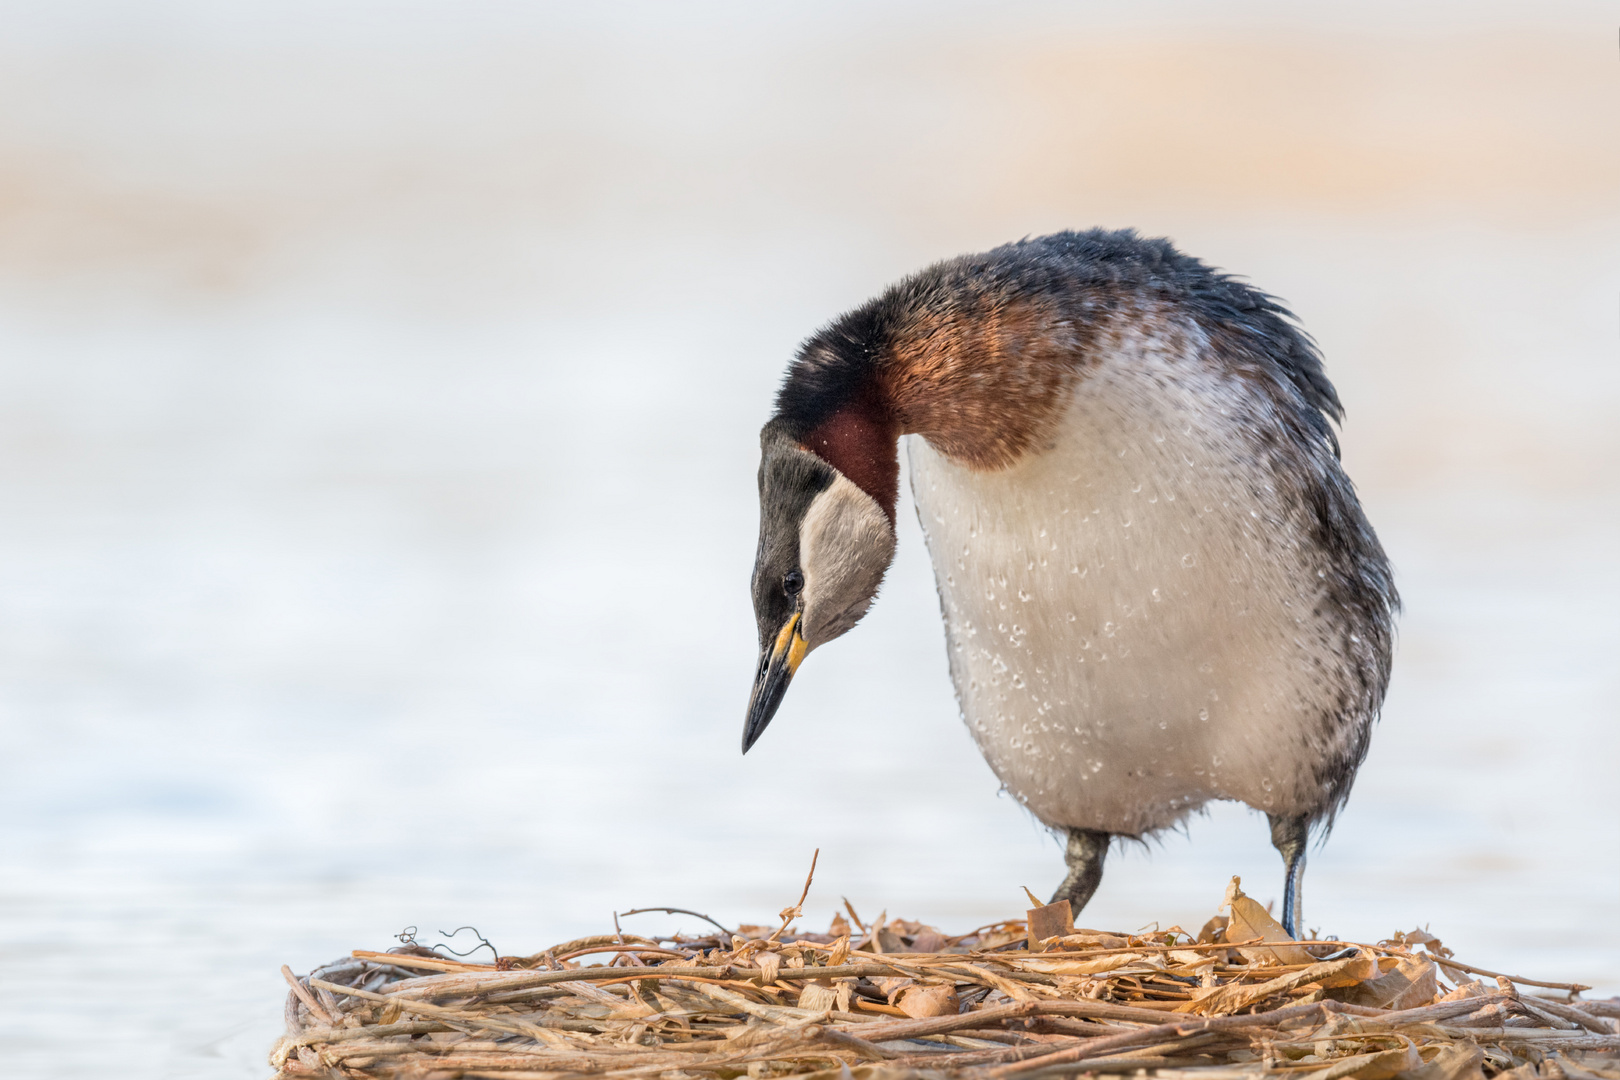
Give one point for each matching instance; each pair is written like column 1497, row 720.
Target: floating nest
column 892, row 999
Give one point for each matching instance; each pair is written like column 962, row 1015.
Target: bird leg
column 1084, row 853
column 1288, row 836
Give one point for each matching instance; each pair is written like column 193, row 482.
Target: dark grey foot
column 1288, row 836
column 1084, row 854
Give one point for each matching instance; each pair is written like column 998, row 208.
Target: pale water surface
column 378, row 405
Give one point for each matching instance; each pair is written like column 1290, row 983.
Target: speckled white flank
column 1128, row 611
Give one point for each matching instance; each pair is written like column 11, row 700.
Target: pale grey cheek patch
column 845, row 545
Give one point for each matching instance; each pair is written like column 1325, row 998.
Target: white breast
column 1133, row 617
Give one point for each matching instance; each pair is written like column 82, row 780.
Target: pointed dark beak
column 776, row 669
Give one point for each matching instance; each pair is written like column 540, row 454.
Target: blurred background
column 379, row 389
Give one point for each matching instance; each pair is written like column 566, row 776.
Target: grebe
column 1158, row 586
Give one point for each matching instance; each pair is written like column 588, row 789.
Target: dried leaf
column 1453, row 1062
column 1250, row 920
column 869, row 1072
column 990, row 978
column 1082, row 967
column 1408, row 984
column 1214, row 931
column 892, row 986
column 1421, row 937
column 1225, row 1000
column 770, row 968
column 920, row 1002
column 872, row 941
column 1049, row 921
column 887, row 941
column 1471, row 989
column 818, row 997
column 1092, row 939
column 846, row 990
column 1379, row 1066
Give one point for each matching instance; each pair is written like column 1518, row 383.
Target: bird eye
column 792, row 582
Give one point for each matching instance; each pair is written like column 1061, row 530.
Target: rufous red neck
column 861, row 440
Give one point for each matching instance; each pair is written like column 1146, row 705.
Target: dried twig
column 681, row 911
column 794, row 911
column 778, row 1004
column 314, row 1007
column 1573, row 988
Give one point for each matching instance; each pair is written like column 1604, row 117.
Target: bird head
column 824, row 545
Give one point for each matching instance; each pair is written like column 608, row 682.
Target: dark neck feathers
column 979, row 354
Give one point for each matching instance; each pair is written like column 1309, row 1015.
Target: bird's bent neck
column 861, row 439
column 983, row 378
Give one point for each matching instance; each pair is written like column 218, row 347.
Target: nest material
column 1017, row 1000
